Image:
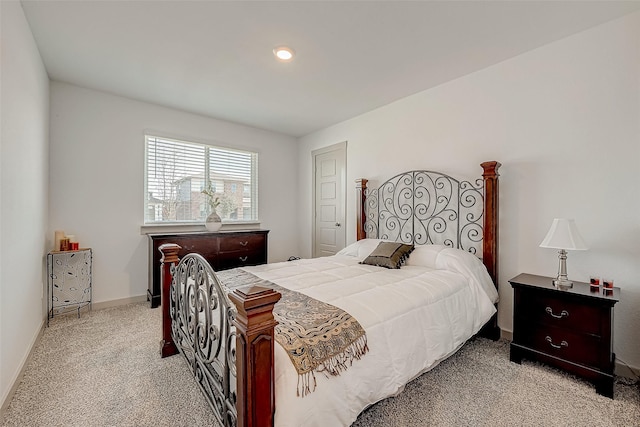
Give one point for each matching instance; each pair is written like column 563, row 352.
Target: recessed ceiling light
column 283, row 53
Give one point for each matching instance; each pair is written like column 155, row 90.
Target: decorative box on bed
column 229, row 339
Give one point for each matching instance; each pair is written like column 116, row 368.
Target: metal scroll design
column 202, row 329
column 425, row 207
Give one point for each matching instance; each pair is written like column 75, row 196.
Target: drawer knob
column 563, row 313
column 244, row 243
column 562, row 344
column 243, row 258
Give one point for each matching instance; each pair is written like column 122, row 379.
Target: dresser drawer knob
column 243, row 243
column 562, row 344
column 563, row 313
column 243, row 258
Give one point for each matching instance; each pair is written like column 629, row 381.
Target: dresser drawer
column 552, row 309
column 564, row 344
column 208, row 248
column 242, row 243
column 229, row 260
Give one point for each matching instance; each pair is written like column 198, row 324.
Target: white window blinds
column 177, row 171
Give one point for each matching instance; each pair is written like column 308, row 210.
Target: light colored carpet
column 104, row 369
column 479, row 386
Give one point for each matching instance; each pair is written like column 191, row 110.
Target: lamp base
column 562, row 283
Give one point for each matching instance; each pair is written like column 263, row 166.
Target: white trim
column 197, row 227
column 340, row 146
column 17, row 379
column 623, row 370
column 117, row 302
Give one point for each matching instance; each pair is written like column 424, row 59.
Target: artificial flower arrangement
column 212, row 199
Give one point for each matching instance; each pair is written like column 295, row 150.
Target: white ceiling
column 215, row 58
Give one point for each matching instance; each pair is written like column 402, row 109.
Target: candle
column 58, row 236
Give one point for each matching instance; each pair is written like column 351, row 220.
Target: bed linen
column 414, row 317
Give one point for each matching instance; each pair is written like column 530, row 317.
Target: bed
column 412, row 317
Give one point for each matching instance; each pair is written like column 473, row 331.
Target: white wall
column 97, row 173
column 23, row 199
column 564, row 122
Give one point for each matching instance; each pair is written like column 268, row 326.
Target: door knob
column 337, row 224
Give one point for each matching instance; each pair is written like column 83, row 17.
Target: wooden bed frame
column 253, row 402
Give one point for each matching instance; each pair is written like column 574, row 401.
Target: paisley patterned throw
column 318, row 337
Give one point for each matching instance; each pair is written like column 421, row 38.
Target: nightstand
column 569, row 329
column 68, row 281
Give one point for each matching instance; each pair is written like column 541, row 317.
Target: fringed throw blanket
column 318, row 337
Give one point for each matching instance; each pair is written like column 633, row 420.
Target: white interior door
column 329, row 199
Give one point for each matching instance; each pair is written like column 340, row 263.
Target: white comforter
column 414, row 317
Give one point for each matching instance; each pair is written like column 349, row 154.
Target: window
column 177, row 171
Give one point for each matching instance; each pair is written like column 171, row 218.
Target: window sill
column 186, row 228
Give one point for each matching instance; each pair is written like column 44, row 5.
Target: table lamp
column 563, row 235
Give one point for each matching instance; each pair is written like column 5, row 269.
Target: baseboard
column 116, row 302
column 622, row 369
column 626, row 371
column 18, row 378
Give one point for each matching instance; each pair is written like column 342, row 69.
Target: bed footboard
column 228, row 342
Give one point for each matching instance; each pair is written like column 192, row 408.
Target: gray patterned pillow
column 389, row 255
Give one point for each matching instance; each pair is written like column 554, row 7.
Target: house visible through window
column 176, row 172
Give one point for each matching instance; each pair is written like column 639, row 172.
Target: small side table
column 68, row 281
column 569, row 329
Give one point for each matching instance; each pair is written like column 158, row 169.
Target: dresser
column 223, row 250
column 569, row 329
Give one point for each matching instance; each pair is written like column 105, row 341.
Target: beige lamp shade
column 564, row 234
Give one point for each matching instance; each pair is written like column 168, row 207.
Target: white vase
column 213, row 222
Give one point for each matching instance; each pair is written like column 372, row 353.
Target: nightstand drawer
column 551, row 309
column 564, row 344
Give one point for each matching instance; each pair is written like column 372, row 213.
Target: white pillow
column 438, row 257
column 425, row 255
column 360, row 249
column 468, row 265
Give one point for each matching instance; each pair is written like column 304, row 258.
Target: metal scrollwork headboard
column 427, row 207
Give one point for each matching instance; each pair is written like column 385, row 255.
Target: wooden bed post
column 255, row 338
column 490, row 237
column 169, row 259
column 361, row 218
column 490, row 175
